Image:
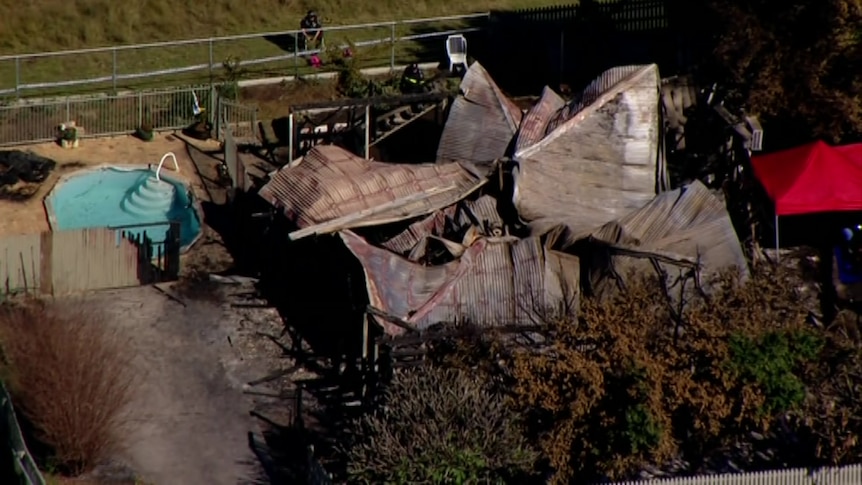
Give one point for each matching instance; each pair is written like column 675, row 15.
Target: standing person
column 311, row 35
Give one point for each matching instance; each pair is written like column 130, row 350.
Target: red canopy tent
column 812, row 178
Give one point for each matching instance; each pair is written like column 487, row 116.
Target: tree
column 794, row 62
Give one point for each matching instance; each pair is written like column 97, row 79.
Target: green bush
column 771, row 362
column 439, row 426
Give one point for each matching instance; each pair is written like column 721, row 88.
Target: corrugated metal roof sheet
column 482, row 211
column 495, row 282
column 331, row 183
column 603, row 157
column 481, row 124
column 535, row 122
column 592, row 93
column 688, row 224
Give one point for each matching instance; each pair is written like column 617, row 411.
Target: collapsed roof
column 467, row 219
column 496, row 282
column 331, row 189
column 685, row 227
column 482, row 122
column 601, row 155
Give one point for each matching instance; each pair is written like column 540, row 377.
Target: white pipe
column 162, row 161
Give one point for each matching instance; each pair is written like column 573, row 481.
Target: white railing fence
column 196, row 60
column 36, row 120
column 847, row 475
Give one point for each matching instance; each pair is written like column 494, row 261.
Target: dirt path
column 191, row 421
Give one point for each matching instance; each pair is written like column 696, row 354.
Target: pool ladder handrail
column 162, row 161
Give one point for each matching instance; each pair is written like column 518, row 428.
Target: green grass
column 50, row 25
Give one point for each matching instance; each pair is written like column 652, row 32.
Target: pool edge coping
column 48, row 204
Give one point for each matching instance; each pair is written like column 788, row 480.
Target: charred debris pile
column 524, row 211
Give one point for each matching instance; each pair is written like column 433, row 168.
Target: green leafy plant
column 772, row 362
column 145, row 130
column 233, row 72
column 69, row 133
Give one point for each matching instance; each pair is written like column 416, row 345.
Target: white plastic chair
column 456, row 49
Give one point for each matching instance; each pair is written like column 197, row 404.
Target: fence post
column 212, row 60
column 217, row 115
column 140, row 102
column 17, row 76
column 292, row 131
column 392, row 48
column 296, row 54
column 68, row 112
column 114, row 66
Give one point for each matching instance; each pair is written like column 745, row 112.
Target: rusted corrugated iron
column 482, row 122
column 687, row 226
column 601, row 162
column 481, row 212
column 535, row 122
column 333, row 186
column 496, row 282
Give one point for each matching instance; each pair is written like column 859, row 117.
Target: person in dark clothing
column 311, row 35
column 412, row 80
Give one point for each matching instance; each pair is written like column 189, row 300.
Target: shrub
column 69, row 375
column 439, row 426
column 633, row 382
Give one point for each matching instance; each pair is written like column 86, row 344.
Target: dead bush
column 69, row 375
column 440, row 426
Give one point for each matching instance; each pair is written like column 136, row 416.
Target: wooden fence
column 62, row 262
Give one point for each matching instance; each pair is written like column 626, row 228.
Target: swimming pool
column 118, row 197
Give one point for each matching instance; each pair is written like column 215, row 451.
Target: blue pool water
column 111, row 197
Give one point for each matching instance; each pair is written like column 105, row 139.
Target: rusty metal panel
column 689, row 222
column 603, row 157
column 482, row 122
column 496, row 282
column 535, row 122
column 689, row 226
column 482, row 211
column 20, row 263
column 331, row 183
column 92, row 259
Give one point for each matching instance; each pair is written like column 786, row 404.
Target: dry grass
column 47, row 25
column 69, row 376
column 52, row 25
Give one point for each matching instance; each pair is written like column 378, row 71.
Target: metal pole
column 290, row 138
column 367, row 131
column 364, row 366
column 68, row 111
column 17, row 76
column 140, row 109
column 114, row 74
column 777, row 252
column 392, row 48
column 296, row 58
column 212, row 60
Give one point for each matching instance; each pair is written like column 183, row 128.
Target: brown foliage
column 795, row 60
column 69, row 375
column 619, row 388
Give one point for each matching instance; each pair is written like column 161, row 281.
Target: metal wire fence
column 36, row 121
column 203, row 60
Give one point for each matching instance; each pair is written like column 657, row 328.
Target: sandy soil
column 190, row 422
column 28, row 217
